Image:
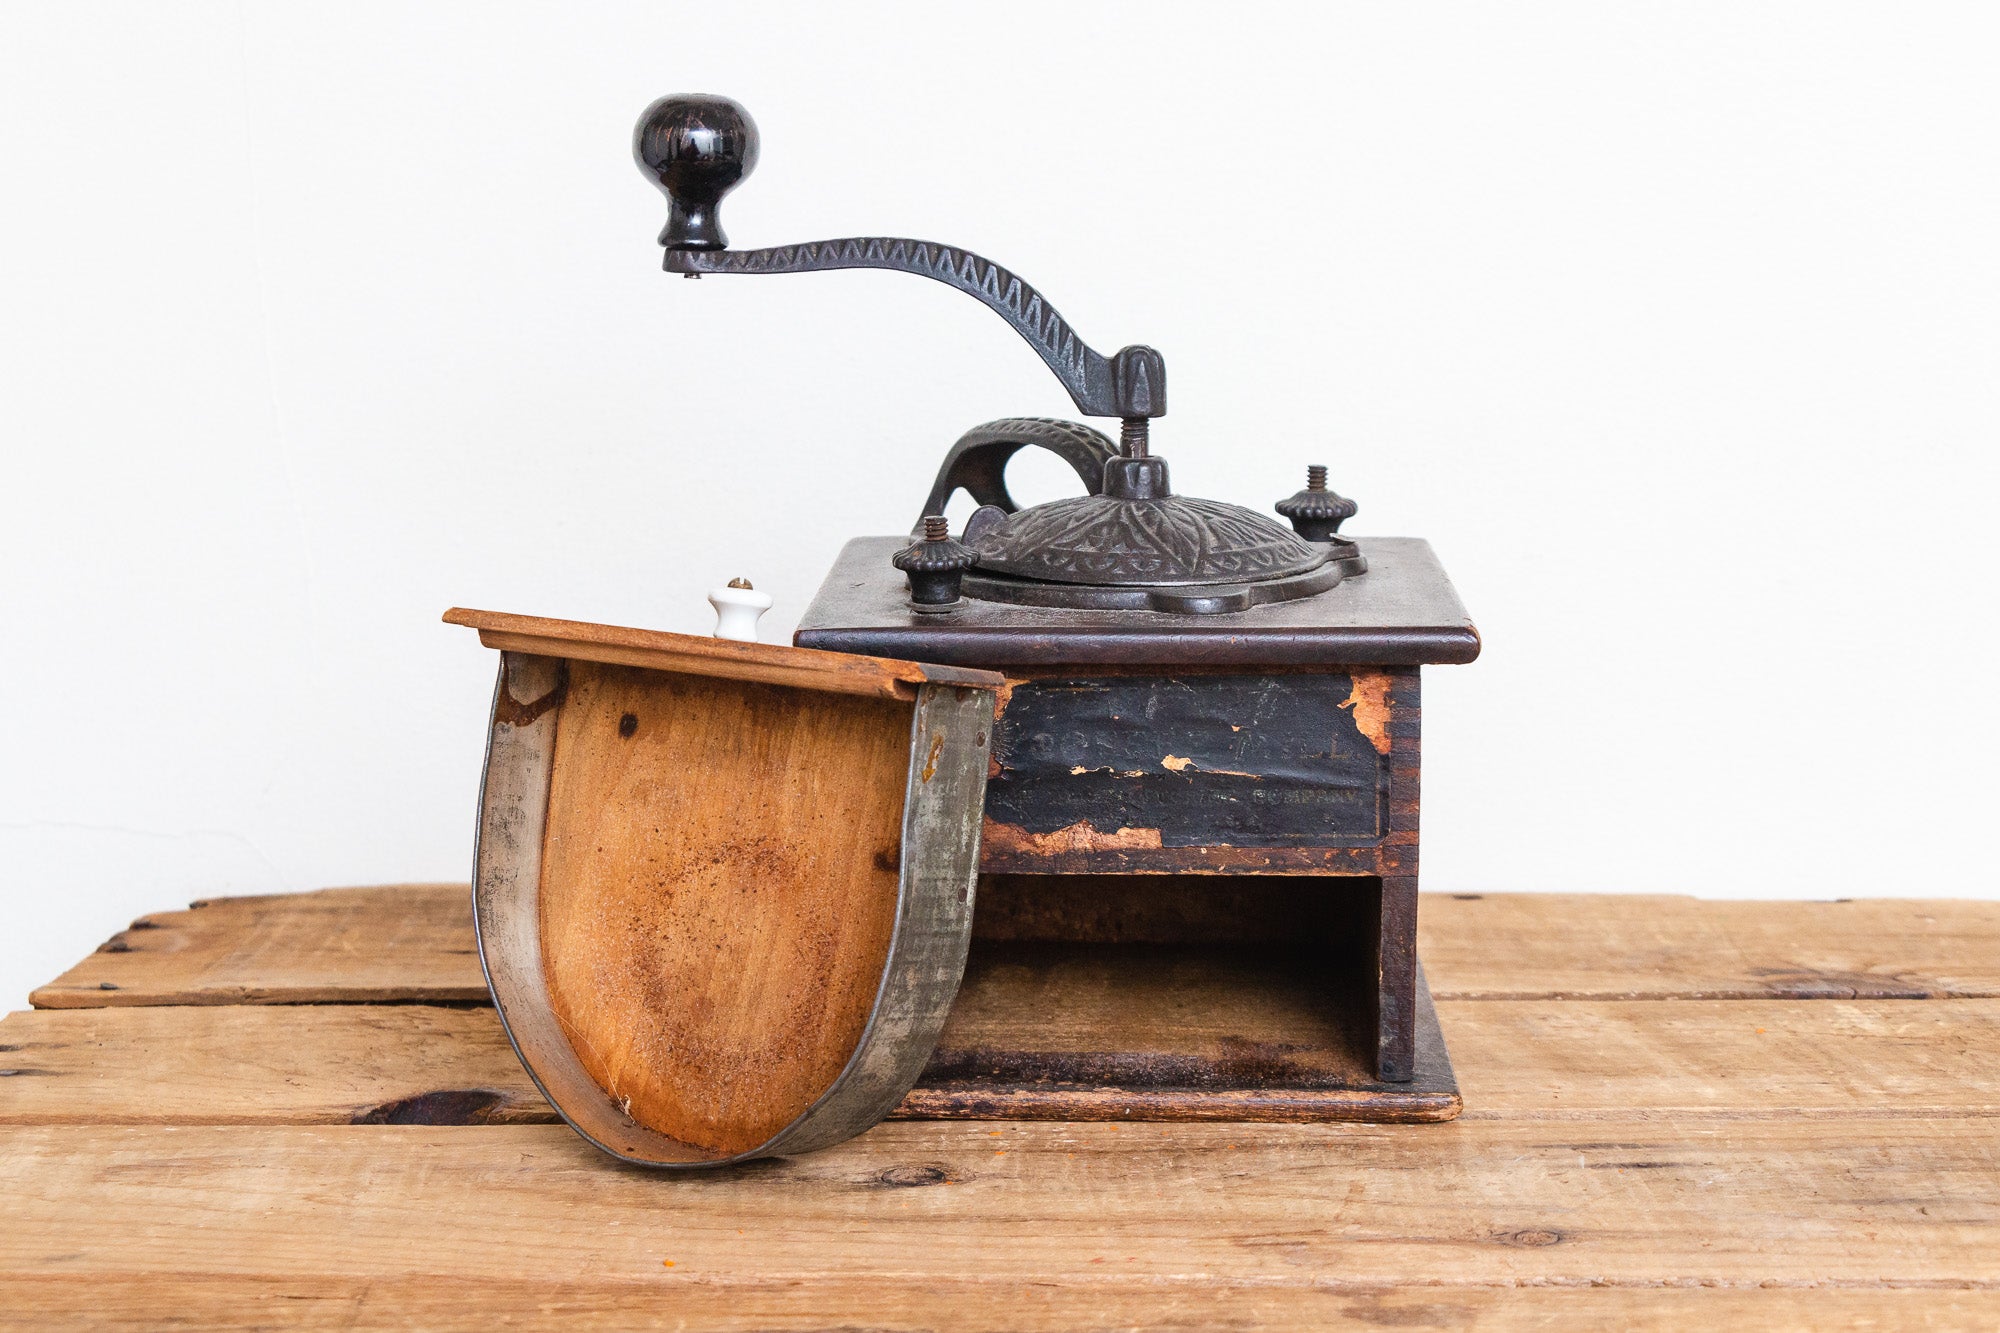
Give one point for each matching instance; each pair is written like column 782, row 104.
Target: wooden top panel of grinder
column 1402, row 612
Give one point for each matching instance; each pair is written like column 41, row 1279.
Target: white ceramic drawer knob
column 736, row 610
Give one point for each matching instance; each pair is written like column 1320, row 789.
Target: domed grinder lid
column 1137, row 532
column 1131, row 543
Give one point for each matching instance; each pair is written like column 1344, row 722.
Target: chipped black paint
column 1241, row 761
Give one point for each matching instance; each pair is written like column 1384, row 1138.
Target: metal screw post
column 1134, row 439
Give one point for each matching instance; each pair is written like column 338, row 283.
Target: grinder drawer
column 1117, row 773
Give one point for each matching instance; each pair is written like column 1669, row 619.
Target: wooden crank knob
column 695, row 147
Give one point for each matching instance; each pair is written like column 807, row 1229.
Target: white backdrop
column 1672, row 327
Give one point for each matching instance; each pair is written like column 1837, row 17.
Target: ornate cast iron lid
column 1130, row 543
column 1156, row 540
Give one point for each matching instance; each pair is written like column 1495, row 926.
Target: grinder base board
column 1151, row 997
column 1065, row 1032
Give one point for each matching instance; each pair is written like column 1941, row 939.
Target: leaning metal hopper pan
column 723, row 890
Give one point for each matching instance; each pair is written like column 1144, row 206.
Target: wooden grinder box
column 1198, row 889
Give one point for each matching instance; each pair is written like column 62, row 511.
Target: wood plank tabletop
column 298, row 1110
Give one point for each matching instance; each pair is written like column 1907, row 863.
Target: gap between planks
column 335, row 1064
column 414, row 943
column 444, row 1303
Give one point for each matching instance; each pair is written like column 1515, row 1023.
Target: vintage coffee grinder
column 1183, row 880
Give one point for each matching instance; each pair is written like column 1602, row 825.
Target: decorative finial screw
column 936, row 566
column 1316, row 512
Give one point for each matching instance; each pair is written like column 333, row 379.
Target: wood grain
column 1750, row 1161
column 414, row 942
column 263, row 1064
column 449, row 1304
column 689, row 654
column 392, row 942
column 1637, row 1202
column 1700, row 1061
column 1624, row 946
column 1170, row 1032
column 718, row 892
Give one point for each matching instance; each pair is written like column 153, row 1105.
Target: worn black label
column 1240, row 761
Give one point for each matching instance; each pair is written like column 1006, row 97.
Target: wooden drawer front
column 1098, row 772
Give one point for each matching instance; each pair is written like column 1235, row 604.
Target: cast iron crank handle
column 697, row 148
